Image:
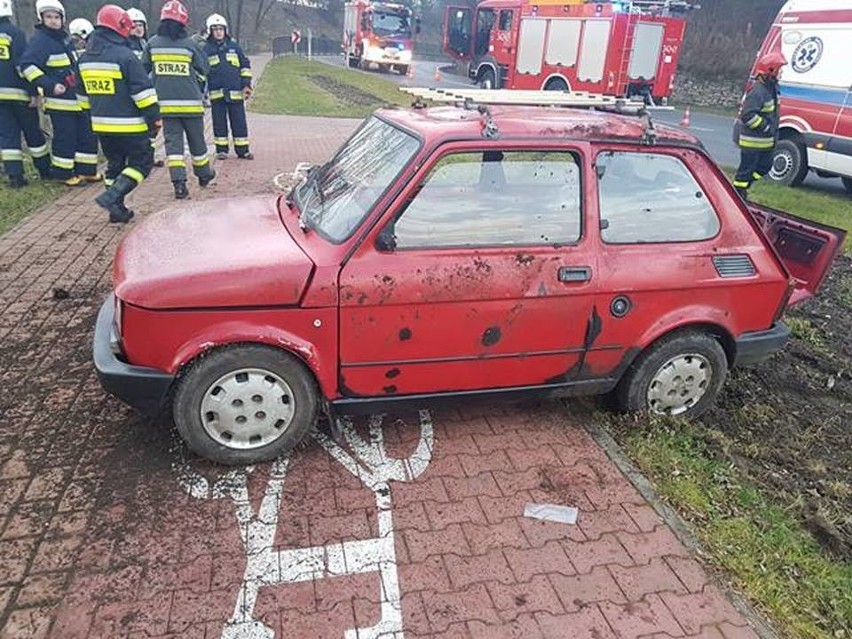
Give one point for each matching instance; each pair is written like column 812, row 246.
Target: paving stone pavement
column 109, row 529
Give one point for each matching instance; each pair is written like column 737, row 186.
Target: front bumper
column 143, row 388
column 753, row 348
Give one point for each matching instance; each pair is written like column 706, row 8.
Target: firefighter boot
column 17, row 181
column 207, row 179
column 113, row 199
column 743, row 193
column 181, row 192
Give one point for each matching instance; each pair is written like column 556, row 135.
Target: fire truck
column 628, row 48
column 379, row 34
column 816, row 90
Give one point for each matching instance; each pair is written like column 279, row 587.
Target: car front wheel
column 245, row 404
column 789, row 163
column 679, row 375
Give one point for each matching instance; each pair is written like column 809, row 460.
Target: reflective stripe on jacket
column 13, row 43
column 50, row 59
column 757, row 124
column 230, row 70
column 178, row 67
column 121, row 95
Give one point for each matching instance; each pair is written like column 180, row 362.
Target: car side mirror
column 386, row 240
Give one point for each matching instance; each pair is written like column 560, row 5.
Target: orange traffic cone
column 685, row 121
column 437, row 74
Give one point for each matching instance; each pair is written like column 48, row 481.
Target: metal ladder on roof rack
column 517, row 97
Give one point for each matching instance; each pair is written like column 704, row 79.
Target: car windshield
column 391, row 24
column 337, row 196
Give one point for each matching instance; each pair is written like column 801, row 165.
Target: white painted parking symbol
column 365, row 459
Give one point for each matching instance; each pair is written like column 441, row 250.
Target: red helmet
column 114, row 17
column 175, row 10
column 769, row 64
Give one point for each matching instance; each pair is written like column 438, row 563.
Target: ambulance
column 816, row 90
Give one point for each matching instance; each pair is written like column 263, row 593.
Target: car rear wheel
column 487, row 80
column 245, row 404
column 789, row 163
column 678, row 375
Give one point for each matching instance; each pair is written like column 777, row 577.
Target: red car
column 455, row 253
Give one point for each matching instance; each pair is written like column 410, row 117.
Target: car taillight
column 785, row 299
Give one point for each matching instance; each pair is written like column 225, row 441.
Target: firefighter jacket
column 13, row 43
column 230, row 70
column 757, row 124
column 177, row 67
column 138, row 45
column 114, row 83
column 50, row 59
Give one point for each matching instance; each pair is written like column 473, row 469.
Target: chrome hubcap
column 782, row 164
column 679, row 384
column 247, row 408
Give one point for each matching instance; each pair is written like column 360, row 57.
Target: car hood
column 212, row 254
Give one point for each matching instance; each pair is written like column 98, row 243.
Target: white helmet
column 6, row 9
column 81, row 28
column 216, row 20
column 49, row 5
column 137, row 16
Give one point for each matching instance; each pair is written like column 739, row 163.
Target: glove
column 155, row 127
column 247, row 91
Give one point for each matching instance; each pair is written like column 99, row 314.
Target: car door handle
column 574, row 273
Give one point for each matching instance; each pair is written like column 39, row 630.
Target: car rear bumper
column 753, row 348
column 145, row 389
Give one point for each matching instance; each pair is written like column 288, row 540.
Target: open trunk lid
column 806, row 248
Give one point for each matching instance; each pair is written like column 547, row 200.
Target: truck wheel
column 556, row 84
column 353, row 62
column 678, row 375
column 847, row 184
column 789, row 163
column 487, row 80
column 245, row 404
column 403, row 69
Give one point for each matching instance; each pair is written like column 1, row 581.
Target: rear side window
column 494, row 198
column 648, row 197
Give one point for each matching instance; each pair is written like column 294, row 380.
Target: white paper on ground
column 551, row 512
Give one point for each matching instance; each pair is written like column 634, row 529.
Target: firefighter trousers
column 18, row 118
column 127, row 154
column 174, row 130
column 754, row 164
column 74, row 148
column 235, row 112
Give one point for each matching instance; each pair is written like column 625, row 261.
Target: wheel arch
column 555, row 76
column 714, row 329
column 200, row 345
column 482, row 68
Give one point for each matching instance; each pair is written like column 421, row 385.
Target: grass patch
column 16, row 204
column 827, row 208
column 296, row 86
column 804, row 330
column 771, row 558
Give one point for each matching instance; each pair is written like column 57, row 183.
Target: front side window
column 648, row 197
column 505, row 20
column 337, row 196
column 494, row 198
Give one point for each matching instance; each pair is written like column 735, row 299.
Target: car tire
column 272, row 404
column 487, row 79
column 789, row 163
column 678, row 375
column 556, row 84
column 847, row 184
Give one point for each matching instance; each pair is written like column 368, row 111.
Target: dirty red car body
column 423, row 297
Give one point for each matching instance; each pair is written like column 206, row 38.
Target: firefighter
column 50, row 64
column 139, row 34
column 18, row 106
column 124, row 108
column 229, row 83
column 177, row 66
column 757, row 125
column 80, row 29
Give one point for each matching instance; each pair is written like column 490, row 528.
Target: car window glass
column 494, row 198
column 647, row 197
column 505, row 20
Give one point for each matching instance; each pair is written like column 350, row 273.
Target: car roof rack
column 481, row 99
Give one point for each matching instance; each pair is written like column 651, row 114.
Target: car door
column 477, row 277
